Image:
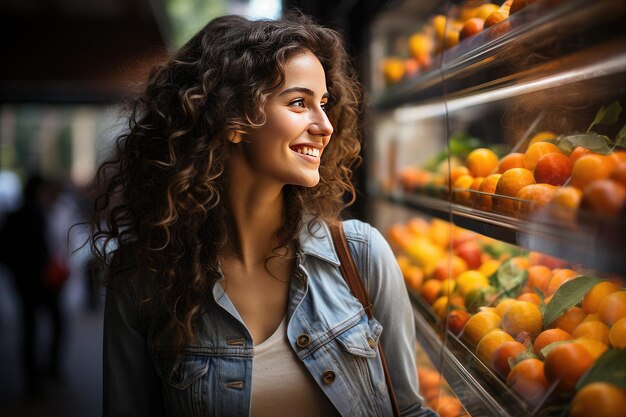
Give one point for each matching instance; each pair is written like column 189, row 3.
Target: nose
column 320, row 124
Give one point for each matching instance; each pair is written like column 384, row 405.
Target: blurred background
column 67, row 67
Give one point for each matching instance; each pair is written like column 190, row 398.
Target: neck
column 257, row 210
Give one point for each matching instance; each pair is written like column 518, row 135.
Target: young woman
column 224, row 292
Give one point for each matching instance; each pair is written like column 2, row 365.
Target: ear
column 235, row 136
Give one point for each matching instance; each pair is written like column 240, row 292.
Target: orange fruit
column 604, row 197
column 565, row 364
column 559, row 277
column 487, row 187
column 539, row 277
column 489, row 266
column 549, row 336
column 595, row 347
column 418, row 226
column 399, row 236
column 457, row 320
column 593, row 330
column 451, row 38
column 619, row 157
column 471, row 27
column 570, row 319
column 428, row 378
column 589, row 168
column 489, row 343
column 565, row 203
column 460, row 189
column 536, row 151
column 393, row 69
column 509, row 184
column 592, row 300
column 599, row 399
column 486, row 9
column 619, row 175
column 531, row 297
column 479, row 325
column 430, row 394
column 441, row 306
column 538, row 258
column 617, row 334
column 613, row 307
column 413, row 276
column 495, row 17
column 512, row 160
column 541, row 137
column 553, row 168
column 522, row 316
column 533, row 198
column 439, row 23
column 592, row 317
column 469, row 280
column 449, row 267
column 528, row 380
column 503, row 305
column 456, row 172
column 502, row 354
column 419, row 45
column 578, row 152
column 481, row 162
column 431, row 289
column 447, row 406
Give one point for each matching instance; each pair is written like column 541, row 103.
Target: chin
column 308, row 182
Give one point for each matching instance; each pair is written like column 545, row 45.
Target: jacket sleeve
column 392, row 308
column 131, row 385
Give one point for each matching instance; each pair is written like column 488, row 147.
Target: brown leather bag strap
column 351, row 275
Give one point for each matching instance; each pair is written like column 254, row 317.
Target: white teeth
column 308, row 151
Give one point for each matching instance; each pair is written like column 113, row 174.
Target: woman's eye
column 324, row 106
column 298, row 103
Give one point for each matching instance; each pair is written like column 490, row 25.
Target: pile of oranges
column 543, row 181
column 437, row 394
column 506, row 332
column 441, row 33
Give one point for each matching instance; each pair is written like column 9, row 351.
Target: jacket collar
column 316, row 240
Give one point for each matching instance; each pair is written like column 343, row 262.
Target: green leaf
column 568, row 295
column 607, row 115
column 591, row 140
column 544, row 352
column 510, row 277
column 522, row 356
column 620, row 139
column 608, row 368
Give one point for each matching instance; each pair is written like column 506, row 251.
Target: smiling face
column 288, row 147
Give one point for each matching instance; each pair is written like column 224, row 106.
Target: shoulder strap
column 351, row 275
column 348, row 268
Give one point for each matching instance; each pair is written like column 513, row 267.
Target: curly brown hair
column 161, row 217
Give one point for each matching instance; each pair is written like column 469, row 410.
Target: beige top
column 281, row 385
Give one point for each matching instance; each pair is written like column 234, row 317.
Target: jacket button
column 303, row 340
column 371, row 342
column 328, row 377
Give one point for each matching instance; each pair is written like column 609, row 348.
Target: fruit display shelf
column 479, row 389
column 589, row 246
column 492, row 52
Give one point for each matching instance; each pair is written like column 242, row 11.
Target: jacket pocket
column 185, row 389
column 362, row 339
column 184, row 370
column 367, row 378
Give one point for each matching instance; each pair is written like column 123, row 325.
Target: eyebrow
column 303, row 90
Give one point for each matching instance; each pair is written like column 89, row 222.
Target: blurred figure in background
column 38, row 275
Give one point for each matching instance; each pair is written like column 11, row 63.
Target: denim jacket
column 327, row 328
